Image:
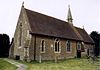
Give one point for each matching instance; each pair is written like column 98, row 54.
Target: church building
column 41, row 37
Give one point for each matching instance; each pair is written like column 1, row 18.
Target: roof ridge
column 47, row 15
column 89, row 36
column 77, row 33
column 85, row 35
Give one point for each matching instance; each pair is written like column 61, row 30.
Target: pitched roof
column 46, row 25
column 84, row 35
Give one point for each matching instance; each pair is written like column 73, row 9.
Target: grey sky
column 84, row 12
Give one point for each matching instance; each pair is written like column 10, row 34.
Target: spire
column 69, row 16
column 23, row 4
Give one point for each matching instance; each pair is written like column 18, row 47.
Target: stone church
column 41, row 37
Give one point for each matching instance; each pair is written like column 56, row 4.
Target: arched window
column 82, row 47
column 68, row 46
column 57, row 47
column 78, row 45
column 42, row 46
column 20, row 35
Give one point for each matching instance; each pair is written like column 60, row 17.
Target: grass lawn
column 69, row 64
column 6, row 66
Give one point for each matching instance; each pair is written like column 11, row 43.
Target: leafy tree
column 4, row 45
column 96, row 37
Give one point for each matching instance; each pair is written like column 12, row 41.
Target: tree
column 96, row 37
column 4, row 45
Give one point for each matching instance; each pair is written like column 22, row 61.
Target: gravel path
column 17, row 64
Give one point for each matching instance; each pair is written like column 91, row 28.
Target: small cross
column 23, row 3
column 69, row 6
column 83, row 26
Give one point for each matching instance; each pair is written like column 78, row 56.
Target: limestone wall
column 21, row 35
column 49, row 49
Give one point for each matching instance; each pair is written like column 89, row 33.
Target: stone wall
column 87, row 47
column 19, row 50
column 49, row 49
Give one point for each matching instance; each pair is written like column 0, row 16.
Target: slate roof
column 50, row 26
column 84, row 35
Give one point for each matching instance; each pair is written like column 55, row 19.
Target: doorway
column 78, row 53
column 79, row 49
column 17, row 57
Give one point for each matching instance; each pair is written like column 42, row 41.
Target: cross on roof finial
column 23, row 4
column 69, row 6
column 83, row 26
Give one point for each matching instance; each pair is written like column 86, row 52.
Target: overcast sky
column 84, row 12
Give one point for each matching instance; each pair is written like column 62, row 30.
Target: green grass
column 6, row 66
column 69, row 64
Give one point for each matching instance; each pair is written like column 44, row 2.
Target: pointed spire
column 69, row 16
column 23, row 4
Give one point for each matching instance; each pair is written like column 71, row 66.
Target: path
column 17, row 64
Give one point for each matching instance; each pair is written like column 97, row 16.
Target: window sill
column 69, row 52
column 19, row 47
column 57, row 52
column 42, row 52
